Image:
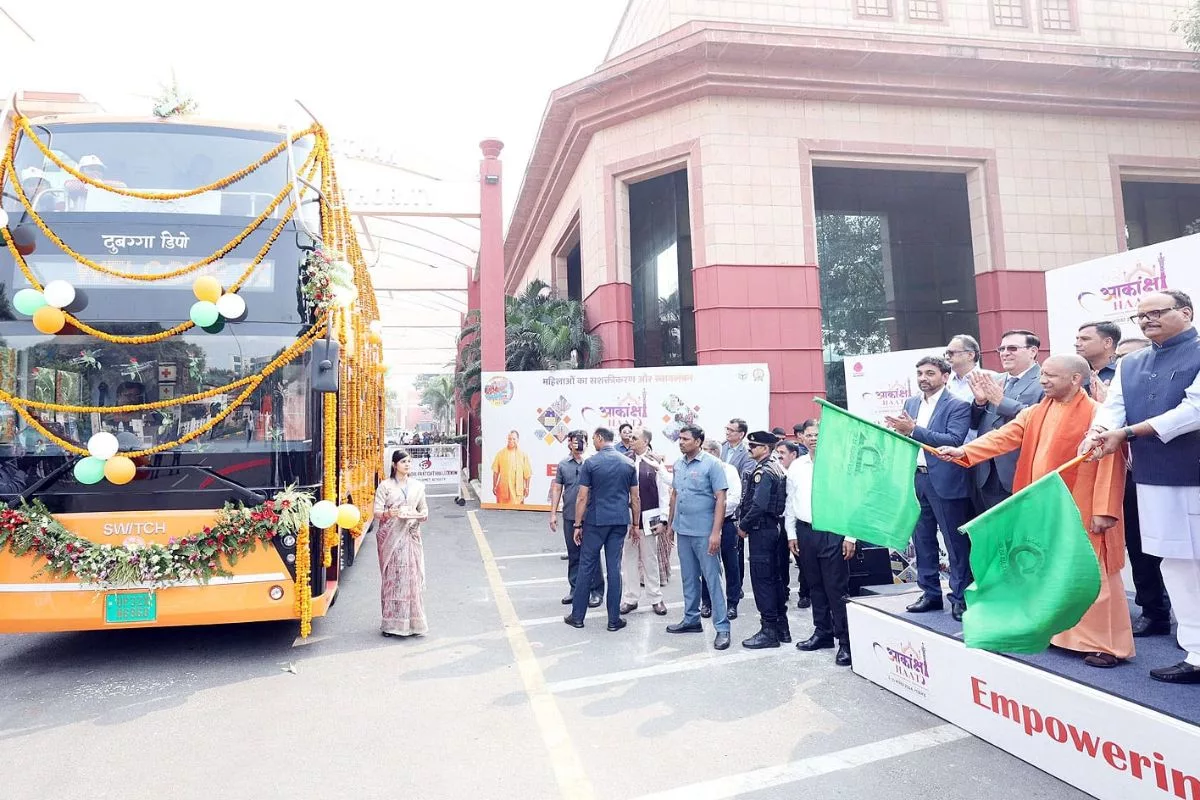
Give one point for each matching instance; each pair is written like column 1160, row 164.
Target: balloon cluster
column 46, row 307
column 102, row 461
column 213, row 304
column 324, row 514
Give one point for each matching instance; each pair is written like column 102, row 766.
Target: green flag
column 1036, row 573
column 863, row 480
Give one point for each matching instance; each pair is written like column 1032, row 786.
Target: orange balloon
column 48, row 319
column 207, row 288
column 119, row 470
column 374, row 338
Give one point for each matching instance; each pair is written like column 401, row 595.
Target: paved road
column 500, row 701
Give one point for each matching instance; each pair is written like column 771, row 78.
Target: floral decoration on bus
column 237, row 531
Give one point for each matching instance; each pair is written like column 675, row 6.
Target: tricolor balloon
column 213, row 305
column 102, row 461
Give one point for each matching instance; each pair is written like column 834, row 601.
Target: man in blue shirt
column 566, row 488
column 608, row 494
column 697, row 492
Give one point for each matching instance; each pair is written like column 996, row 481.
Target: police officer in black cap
column 764, row 498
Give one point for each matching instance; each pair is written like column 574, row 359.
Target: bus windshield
column 152, row 157
column 82, row 371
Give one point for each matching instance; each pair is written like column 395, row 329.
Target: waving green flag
column 863, row 480
column 1036, row 573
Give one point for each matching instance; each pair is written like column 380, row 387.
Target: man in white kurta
column 1153, row 404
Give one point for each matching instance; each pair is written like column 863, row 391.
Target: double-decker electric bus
column 270, row 404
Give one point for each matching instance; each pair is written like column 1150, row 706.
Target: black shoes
column 706, row 611
column 1151, row 627
column 595, row 599
column 627, row 607
column 842, row 659
column 926, row 603
column 1183, row 672
column 957, row 610
column 733, row 612
column 721, row 642
column 616, row 626
column 659, row 608
column 761, row 641
column 574, row 623
column 566, row 601
column 680, row 627
column 784, row 635
column 815, row 642
column 803, row 602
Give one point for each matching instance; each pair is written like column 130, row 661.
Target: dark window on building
column 574, row 263
column 925, row 10
column 1156, row 212
column 660, row 248
column 896, row 263
column 1010, row 13
column 873, row 8
column 1058, row 15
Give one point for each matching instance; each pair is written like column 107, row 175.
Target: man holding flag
column 1027, row 555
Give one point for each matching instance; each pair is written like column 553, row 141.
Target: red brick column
column 609, row 313
column 771, row 314
column 1008, row 299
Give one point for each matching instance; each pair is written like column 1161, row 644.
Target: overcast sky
column 434, row 78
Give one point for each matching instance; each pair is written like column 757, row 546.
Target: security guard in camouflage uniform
column 764, row 497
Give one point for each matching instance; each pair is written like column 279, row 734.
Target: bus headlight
column 289, row 541
column 291, row 558
column 276, row 592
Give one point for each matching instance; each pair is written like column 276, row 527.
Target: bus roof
column 82, row 119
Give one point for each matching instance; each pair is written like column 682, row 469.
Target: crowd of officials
column 722, row 507
column 1134, row 402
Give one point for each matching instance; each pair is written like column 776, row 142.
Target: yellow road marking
column 568, row 769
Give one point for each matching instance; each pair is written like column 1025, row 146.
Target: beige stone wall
column 1051, row 177
column 1113, row 23
column 643, row 20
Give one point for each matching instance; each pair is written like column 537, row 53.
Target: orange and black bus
column 277, row 397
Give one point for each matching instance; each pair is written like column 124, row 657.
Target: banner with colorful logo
column 526, row 417
column 1111, row 287
column 877, row 384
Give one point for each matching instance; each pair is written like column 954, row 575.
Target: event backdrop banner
column 526, row 417
column 1110, row 288
column 877, row 384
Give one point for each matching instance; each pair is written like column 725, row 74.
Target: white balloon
column 375, row 327
column 103, row 445
column 345, row 295
column 59, row 294
column 3, row 218
column 231, row 306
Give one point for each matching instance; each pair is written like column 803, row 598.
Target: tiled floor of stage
column 1129, row 680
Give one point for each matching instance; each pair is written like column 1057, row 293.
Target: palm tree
column 438, row 399
column 541, row 331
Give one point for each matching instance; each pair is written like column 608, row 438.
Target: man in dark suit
column 937, row 418
column 998, row 400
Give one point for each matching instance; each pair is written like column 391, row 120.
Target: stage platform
column 1113, row 733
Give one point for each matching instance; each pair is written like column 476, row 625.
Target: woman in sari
column 401, row 508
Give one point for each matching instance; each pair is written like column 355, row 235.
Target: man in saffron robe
column 511, row 473
column 1047, row 435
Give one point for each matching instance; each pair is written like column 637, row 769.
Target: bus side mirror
column 325, row 356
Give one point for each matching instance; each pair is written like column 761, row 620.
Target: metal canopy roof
column 420, row 236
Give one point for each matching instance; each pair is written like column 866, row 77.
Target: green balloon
column 323, row 514
column 28, row 301
column 204, row 313
column 89, row 470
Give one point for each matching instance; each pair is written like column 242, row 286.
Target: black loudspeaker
column 871, row 566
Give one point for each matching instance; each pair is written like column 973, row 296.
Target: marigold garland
column 237, row 531
column 23, row 126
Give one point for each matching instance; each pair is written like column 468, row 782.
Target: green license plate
column 122, row 607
